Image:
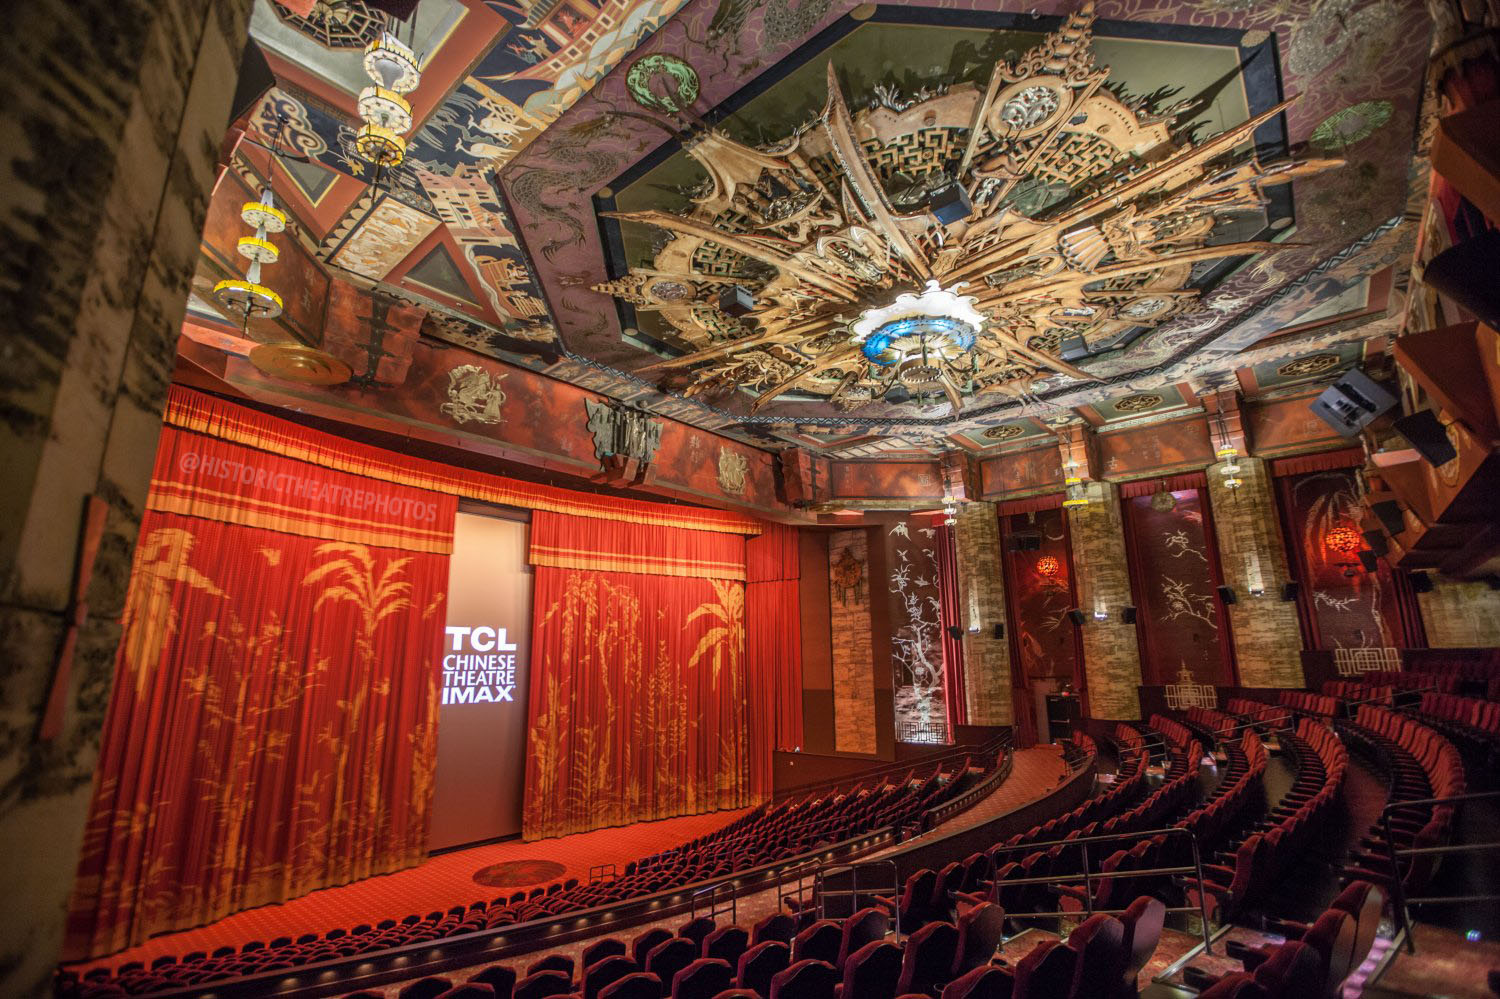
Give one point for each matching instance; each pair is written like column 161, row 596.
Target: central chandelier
column 937, row 324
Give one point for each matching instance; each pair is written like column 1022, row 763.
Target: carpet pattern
column 519, row 873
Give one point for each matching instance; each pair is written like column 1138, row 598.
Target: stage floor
column 440, row 883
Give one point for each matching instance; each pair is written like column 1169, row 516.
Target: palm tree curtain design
column 272, row 725
column 637, row 707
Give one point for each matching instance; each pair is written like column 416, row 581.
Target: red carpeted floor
column 440, row 883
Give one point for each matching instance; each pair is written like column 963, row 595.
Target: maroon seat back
column 1100, row 943
column 500, row 977
column 865, row 926
column 638, row 985
column 986, row 982
column 1143, row 922
column 1294, row 971
column 805, row 980
column 1366, row 903
column 552, row 962
column 727, row 943
column 928, row 960
column 819, row 942
column 761, row 963
column 641, row 946
column 669, row 957
column 543, row 985
column 600, row 949
column 1332, row 936
column 696, row 929
column 469, row 990
column 1045, row 972
column 777, row 926
column 1236, row 986
column 980, row 931
column 605, row 972
column 425, row 988
column 872, row 971
column 703, row 979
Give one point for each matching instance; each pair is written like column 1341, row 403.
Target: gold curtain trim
column 568, row 558
column 236, row 513
column 204, row 414
column 192, row 494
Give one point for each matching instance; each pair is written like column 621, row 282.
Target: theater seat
column 871, row 972
column 727, row 943
column 703, row 979
column 600, row 949
column 980, row 931
column 1046, row 972
column 671, row 956
column 761, row 963
column 425, row 988
column 805, row 980
column 928, row 960
column 552, row 962
column 500, row 977
column 818, row 942
column 469, row 990
column 605, row 972
column 638, row 985
column 864, row 927
column 1100, row 943
column 987, row 982
column 1143, row 922
column 641, row 946
column 543, row 985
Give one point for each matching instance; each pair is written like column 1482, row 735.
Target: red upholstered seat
column 986, row 982
column 928, row 961
column 425, row 988
column 980, row 931
column 871, row 972
column 1046, row 972
column 543, row 985
column 638, row 985
column 863, row 927
column 805, row 980
column 1100, row 944
column 703, row 979
column 819, row 942
column 605, row 972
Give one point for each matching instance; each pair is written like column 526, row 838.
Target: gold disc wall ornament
column 295, row 362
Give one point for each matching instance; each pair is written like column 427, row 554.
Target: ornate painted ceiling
column 713, row 208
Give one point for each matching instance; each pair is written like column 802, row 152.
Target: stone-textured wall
column 1111, row 657
column 1267, row 637
column 113, row 115
column 849, row 584
column 981, row 591
column 1460, row 615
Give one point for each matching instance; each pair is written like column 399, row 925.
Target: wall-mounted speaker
column 1421, row 582
column 999, row 630
column 1127, row 614
column 1389, row 512
column 1369, row 560
column 1377, row 542
column 1423, row 432
column 1289, row 590
column 1226, row 594
column 253, row 83
column 955, row 632
column 1076, row 616
column 1352, row 402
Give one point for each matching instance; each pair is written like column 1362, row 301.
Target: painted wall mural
column 1173, row 571
column 853, row 655
column 1344, row 606
column 916, row 632
column 1039, row 589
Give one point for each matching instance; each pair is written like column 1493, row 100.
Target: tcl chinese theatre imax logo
column 479, row 667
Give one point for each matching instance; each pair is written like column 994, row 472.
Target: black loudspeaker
column 950, row 203
column 1376, row 541
column 955, row 632
column 1226, row 594
column 1351, row 402
column 736, row 300
column 1389, row 512
column 1421, row 582
column 1368, row 559
column 1289, row 590
column 1076, row 615
column 1127, row 614
column 1423, row 432
column 999, row 631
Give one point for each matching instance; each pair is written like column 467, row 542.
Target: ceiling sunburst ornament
column 953, row 246
column 1143, row 403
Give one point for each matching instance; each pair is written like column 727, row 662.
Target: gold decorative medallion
column 474, row 395
column 1143, row 403
column 1005, row 432
column 733, row 468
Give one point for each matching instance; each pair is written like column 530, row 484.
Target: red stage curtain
column 1031, row 504
column 1174, row 568
column 1170, row 483
column 951, row 617
column 1325, row 461
column 638, row 701
column 206, row 414
column 773, row 648
column 272, row 726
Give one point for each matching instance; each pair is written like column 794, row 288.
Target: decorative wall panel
column 916, row 632
column 853, row 656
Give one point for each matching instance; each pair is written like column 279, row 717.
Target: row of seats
column 852, row 958
column 771, row 832
column 1313, row 962
column 1271, row 846
column 1304, row 702
column 1480, row 715
column 1355, row 692
column 1420, row 765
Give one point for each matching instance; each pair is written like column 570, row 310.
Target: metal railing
column 714, row 894
column 854, row 892
column 924, row 764
column 599, row 872
column 1399, row 900
column 1082, row 842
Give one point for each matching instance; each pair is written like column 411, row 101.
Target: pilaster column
column 981, row 592
column 1267, row 636
column 1111, row 658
